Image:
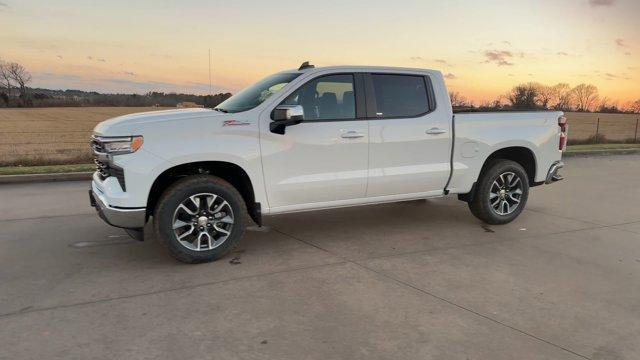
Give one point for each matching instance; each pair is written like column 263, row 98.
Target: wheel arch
column 230, row 172
column 519, row 154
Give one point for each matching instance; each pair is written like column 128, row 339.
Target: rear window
column 400, row 95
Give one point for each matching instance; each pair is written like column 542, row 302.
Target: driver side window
column 326, row 98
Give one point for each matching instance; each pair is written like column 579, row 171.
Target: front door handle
column 436, row 131
column 352, row 135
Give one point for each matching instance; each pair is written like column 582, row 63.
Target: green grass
column 45, row 169
column 596, row 147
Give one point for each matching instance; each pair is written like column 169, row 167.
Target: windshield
column 257, row 93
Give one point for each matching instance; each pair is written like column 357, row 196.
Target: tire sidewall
column 181, row 190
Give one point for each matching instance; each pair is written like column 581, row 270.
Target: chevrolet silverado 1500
column 315, row 138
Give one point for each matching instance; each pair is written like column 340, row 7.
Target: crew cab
column 315, row 138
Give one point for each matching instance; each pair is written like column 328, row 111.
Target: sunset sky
column 484, row 47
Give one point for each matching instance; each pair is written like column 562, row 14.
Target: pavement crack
column 461, row 307
column 440, row 298
column 565, row 217
column 30, row 309
column 47, row 217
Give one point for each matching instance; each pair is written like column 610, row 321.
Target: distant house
column 189, row 104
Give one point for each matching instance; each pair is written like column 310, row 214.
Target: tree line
column 15, row 92
column 563, row 97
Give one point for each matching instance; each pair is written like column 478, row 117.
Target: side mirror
column 286, row 115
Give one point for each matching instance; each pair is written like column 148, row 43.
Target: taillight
column 562, row 123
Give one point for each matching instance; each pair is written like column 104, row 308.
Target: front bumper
column 120, row 217
column 552, row 174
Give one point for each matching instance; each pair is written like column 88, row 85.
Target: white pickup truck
column 315, row 138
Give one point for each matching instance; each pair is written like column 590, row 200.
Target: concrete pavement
column 414, row 280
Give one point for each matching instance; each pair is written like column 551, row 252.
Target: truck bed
column 478, row 134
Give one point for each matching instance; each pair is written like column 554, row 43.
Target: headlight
column 120, row 145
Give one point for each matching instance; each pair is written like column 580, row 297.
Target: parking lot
column 413, row 280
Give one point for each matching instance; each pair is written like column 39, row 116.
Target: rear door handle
column 352, row 135
column 436, row 131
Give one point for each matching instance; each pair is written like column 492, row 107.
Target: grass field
column 615, row 127
column 44, row 136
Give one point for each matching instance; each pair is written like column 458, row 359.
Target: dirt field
column 612, row 126
column 52, row 135
column 60, row 135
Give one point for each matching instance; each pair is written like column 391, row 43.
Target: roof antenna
column 306, row 65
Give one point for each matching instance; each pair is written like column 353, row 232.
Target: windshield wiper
column 220, row 109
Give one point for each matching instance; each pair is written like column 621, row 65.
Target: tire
column 202, row 195
column 488, row 191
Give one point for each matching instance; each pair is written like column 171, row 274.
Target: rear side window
column 400, row 95
column 326, row 98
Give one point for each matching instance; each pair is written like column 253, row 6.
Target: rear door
column 410, row 142
column 322, row 160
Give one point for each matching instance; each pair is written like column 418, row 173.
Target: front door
column 410, row 142
column 322, row 160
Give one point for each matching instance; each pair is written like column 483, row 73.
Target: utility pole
column 210, row 90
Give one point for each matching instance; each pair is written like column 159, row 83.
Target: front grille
column 96, row 145
column 104, row 168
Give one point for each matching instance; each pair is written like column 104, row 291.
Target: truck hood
column 132, row 124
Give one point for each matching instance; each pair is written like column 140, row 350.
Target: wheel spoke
column 220, row 207
column 210, row 200
column 195, row 200
column 196, row 242
column 495, row 203
column 186, row 209
column 202, row 234
column 179, row 224
column 227, row 220
column 514, row 182
column 181, row 236
column 222, row 230
column 505, row 203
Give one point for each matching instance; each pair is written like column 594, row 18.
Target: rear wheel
column 501, row 192
column 200, row 218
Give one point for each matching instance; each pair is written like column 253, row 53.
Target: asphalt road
column 414, row 280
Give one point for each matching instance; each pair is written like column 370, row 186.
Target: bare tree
column 586, row 96
column 20, row 75
column 458, row 100
column 607, row 105
column 633, row 106
column 5, row 78
column 545, row 95
column 562, row 96
column 523, row 96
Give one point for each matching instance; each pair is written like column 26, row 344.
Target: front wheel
column 501, row 192
column 200, row 218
